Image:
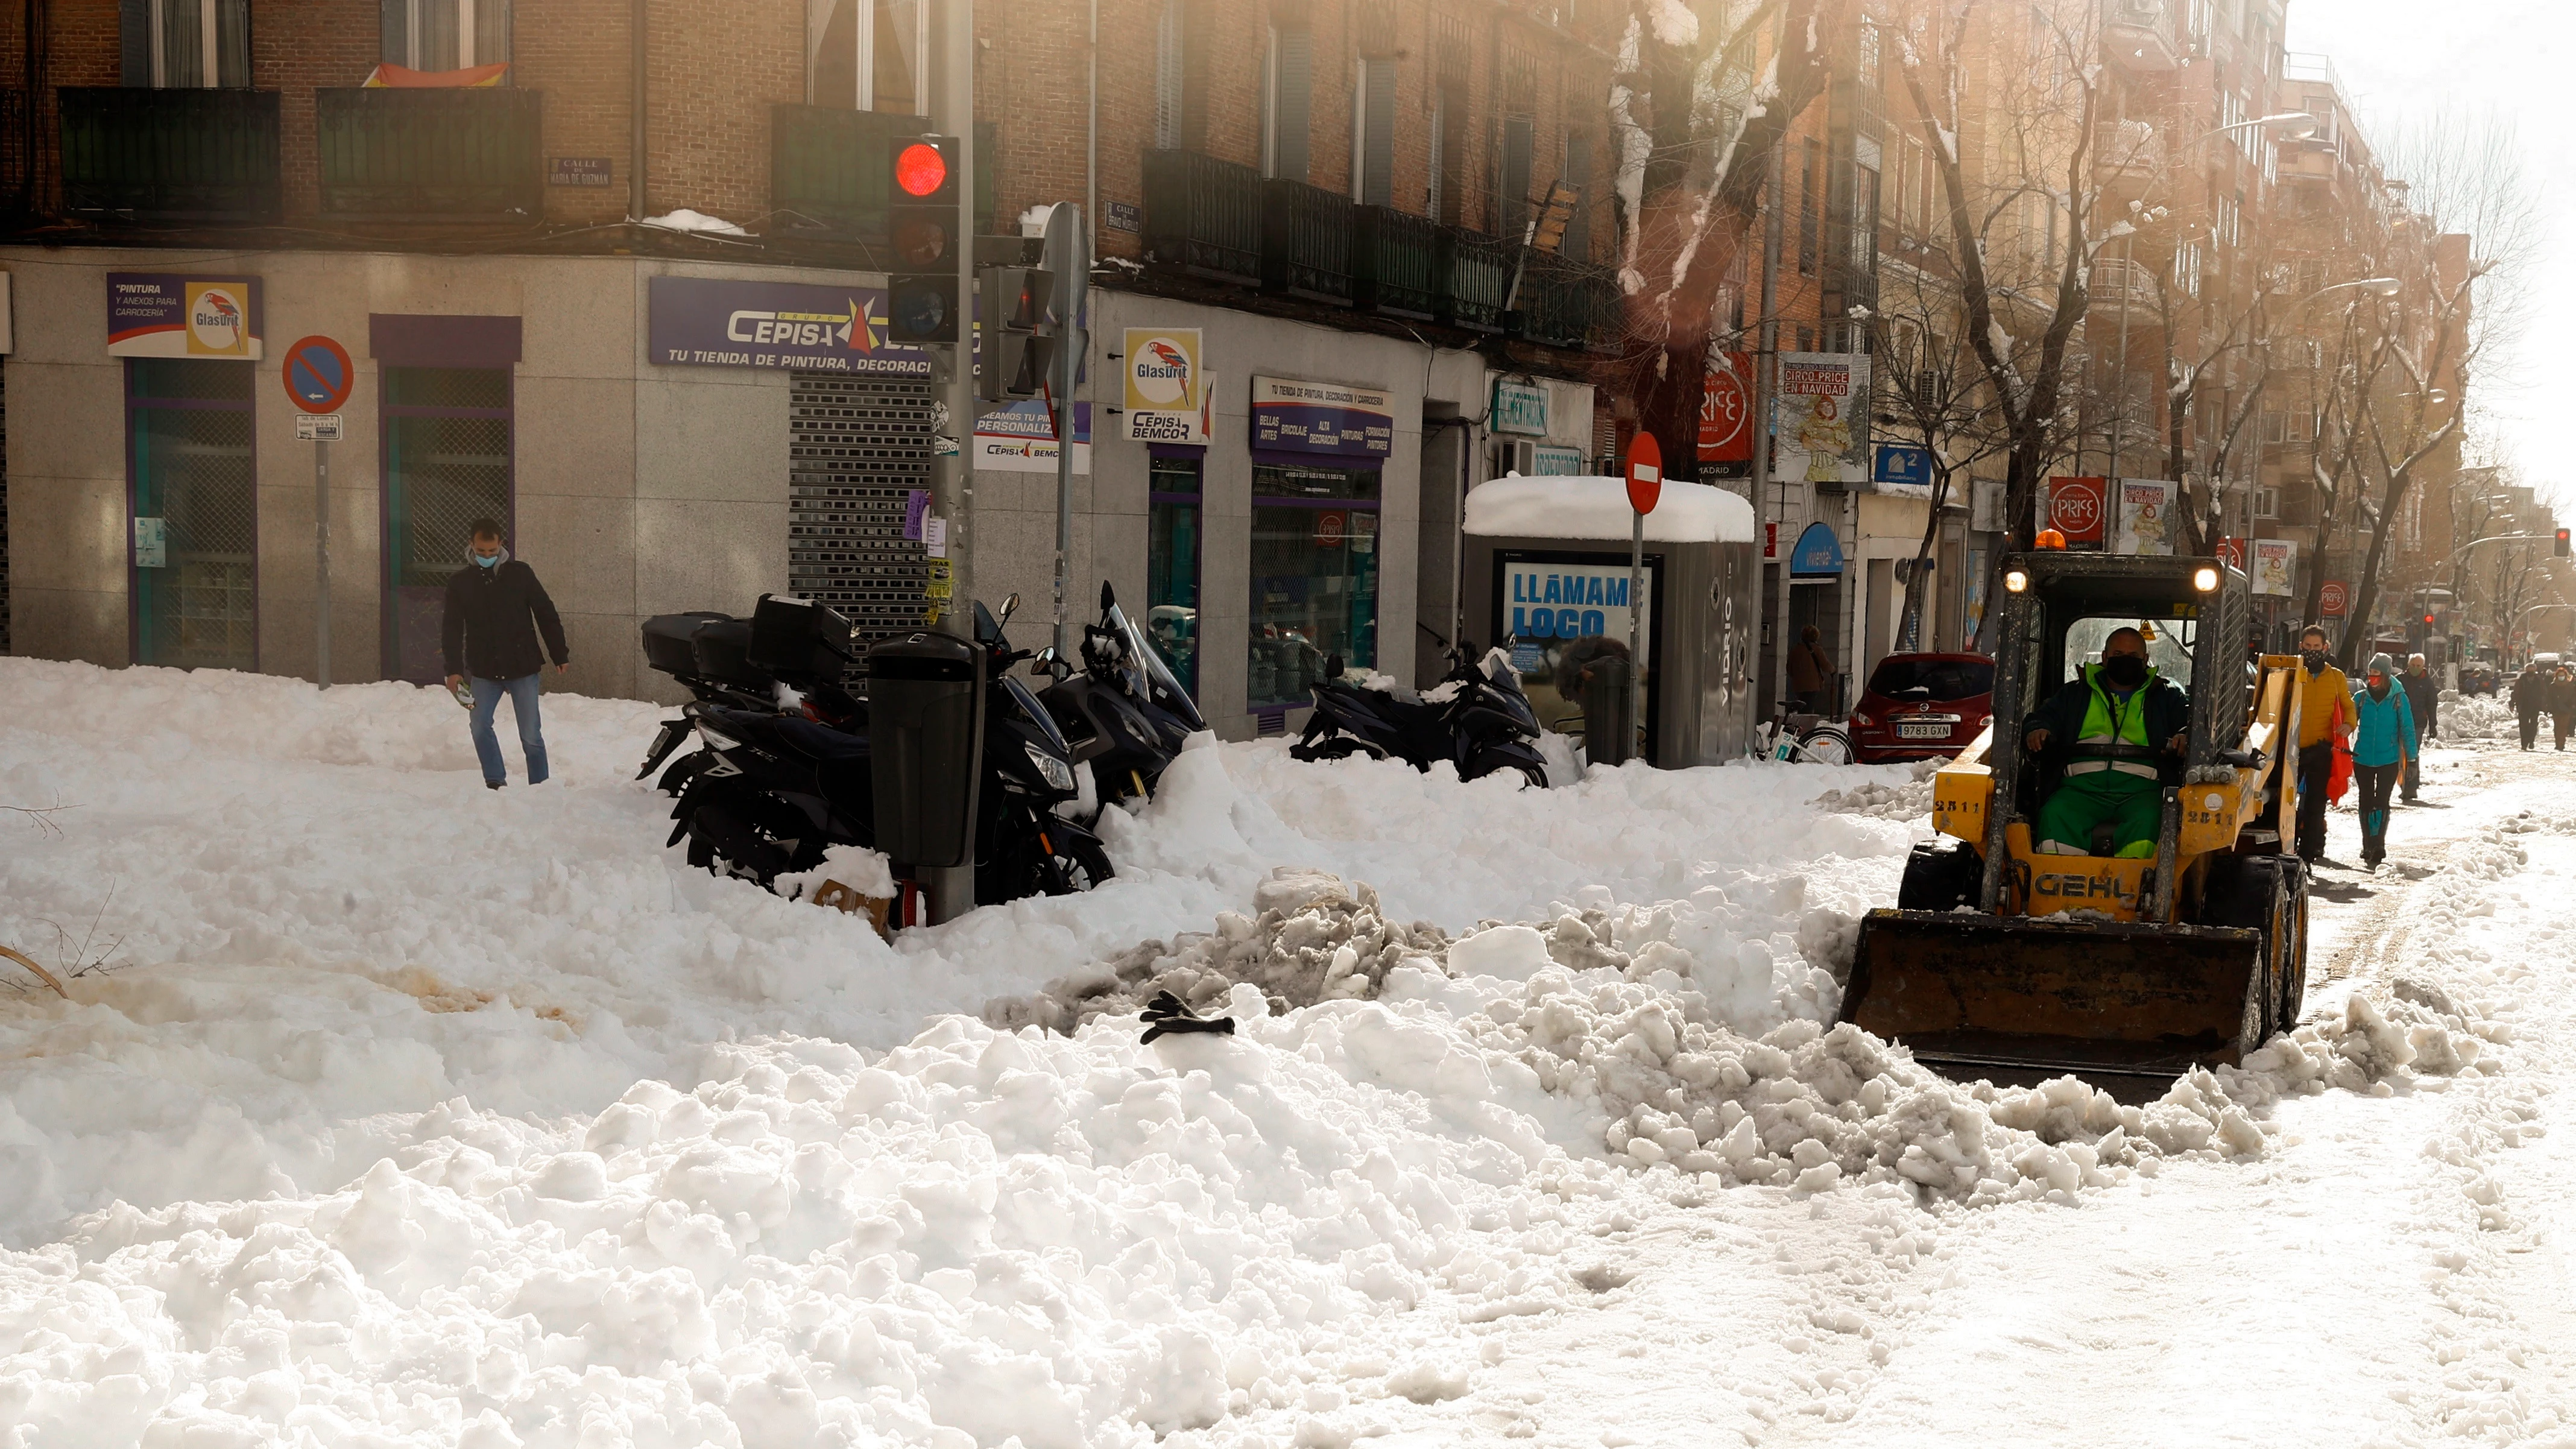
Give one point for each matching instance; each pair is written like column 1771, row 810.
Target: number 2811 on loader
column 2006, row 961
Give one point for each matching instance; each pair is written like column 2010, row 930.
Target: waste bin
column 926, row 741
column 1609, row 695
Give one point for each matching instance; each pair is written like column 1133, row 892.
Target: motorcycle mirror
column 1333, row 667
column 1010, row 606
column 1108, row 597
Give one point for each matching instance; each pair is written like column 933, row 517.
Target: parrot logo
column 1161, row 370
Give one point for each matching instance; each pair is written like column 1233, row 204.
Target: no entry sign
column 318, row 375
column 1645, row 472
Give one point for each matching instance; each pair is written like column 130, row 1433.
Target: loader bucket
column 2017, row 999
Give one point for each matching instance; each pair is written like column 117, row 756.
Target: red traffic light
column 920, row 169
column 2428, row 619
column 2562, row 543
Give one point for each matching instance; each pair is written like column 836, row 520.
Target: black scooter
column 1476, row 718
column 1124, row 715
column 711, row 655
column 777, row 788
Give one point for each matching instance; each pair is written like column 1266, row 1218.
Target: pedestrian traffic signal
column 2562, row 543
column 1018, row 343
column 922, row 232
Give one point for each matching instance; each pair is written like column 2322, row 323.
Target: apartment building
column 613, row 273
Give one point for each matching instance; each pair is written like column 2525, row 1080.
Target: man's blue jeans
column 523, row 705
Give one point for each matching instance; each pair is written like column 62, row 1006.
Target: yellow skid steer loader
column 2008, row 961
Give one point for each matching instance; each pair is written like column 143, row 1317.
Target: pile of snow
column 1595, row 507
column 2478, row 717
column 1911, row 800
column 698, row 221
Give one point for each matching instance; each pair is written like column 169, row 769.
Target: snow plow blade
column 2021, row 998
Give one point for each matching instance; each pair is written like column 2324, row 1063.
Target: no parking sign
column 318, row 375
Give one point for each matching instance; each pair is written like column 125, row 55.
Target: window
column 1170, row 65
column 2226, row 227
column 1314, row 577
column 195, row 521
column 170, row 44
column 1811, row 173
column 2276, row 428
column 1578, row 174
column 1864, row 228
column 1452, row 63
column 444, row 34
column 1512, row 196
column 1373, row 133
column 866, row 55
column 2267, row 502
column 447, row 461
column 1172, row 565
column 1287, row 102
column 2186, row 265
column 1909, row 183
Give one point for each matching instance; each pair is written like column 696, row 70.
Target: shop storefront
column 1317, row 449
column 188, row 349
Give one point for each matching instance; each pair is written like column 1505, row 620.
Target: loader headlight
column 2205, row 579
column 2015, row 581
column 1057, row 774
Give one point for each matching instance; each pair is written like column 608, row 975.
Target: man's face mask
column 2128, row 671
column 2315, row 659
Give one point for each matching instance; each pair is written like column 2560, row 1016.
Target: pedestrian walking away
column 2530, row 691
column 496, row 610
column 2383, row 746
column 1810, row 669
column 2424, row 701
column 2559, row 698
column 2325, row 716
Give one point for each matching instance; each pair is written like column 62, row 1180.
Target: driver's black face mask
column 2128, row 671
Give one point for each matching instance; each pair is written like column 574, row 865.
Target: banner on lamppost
column 2275, row 560
column 2143, row 518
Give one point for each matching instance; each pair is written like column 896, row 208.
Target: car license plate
column 1906, row 730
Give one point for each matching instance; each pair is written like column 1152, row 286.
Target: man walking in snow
column 2325, row 716
column 495, row 611
column 2424, row 708
column 2530, row 688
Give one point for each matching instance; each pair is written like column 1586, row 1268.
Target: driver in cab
column 2104, row 744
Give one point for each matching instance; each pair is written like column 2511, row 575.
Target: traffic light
column 922, row 232
column 1019, row 346
column 2562, row 543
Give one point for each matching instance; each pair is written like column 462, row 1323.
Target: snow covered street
column 384, row 1109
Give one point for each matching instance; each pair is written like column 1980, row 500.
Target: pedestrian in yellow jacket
column 2325, row 716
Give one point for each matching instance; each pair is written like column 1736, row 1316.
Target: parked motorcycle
column 1124, row 714
column 711, row 654
column 1476, row 718
column 780, row 785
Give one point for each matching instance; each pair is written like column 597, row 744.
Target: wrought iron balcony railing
column 431, row 155
column 137, row 153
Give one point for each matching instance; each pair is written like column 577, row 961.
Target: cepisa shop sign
column 1325, row 418
column 156, row 314
column 703, row 322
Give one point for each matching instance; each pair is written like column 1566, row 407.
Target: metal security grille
column 858, row 449
column 189, row 436
column 446, row 436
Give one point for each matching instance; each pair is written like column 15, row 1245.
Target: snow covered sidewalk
column 404, row 1111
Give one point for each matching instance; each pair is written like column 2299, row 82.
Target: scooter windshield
column 1161, row 685
column 1500, row 673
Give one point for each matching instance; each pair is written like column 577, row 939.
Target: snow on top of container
column 1516, row 507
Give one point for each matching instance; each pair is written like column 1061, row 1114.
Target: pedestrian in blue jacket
column 2383, row 744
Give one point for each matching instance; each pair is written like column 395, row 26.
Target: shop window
column 866, row 55
column 182, row 44
column 1172, row 566
column 195, row 522
column 1314, row 577
column 446, row 439
column 438, row 35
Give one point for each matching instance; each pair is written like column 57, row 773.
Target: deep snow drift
column 402, row 1108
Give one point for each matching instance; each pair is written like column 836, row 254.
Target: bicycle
column 1800, row 739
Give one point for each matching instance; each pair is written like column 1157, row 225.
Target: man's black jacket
column 2168, row 714
column 488, row 612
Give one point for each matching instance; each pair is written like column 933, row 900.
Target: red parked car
column 1919, row 706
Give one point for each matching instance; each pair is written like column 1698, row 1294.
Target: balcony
column 2138, row 37
column 1306, row 241
column 829, row 170
column 1567, row 304
column 1203, row 217
column 2120, row 286
column 431, row 155
column 1395, row 263
column 2127, row 156
column 1475, row 274
column 140, row 154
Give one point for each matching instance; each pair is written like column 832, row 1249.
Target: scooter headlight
column 716, row 741
column 1057, row 774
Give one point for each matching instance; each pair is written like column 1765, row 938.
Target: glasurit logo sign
column 159, row 314
column 1166, row 387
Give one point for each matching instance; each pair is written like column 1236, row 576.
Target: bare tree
column 1696, row 111
column 1929, row 394
column 2469, row 230
column 2019, row 234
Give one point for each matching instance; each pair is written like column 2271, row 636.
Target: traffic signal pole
column 952, row 463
